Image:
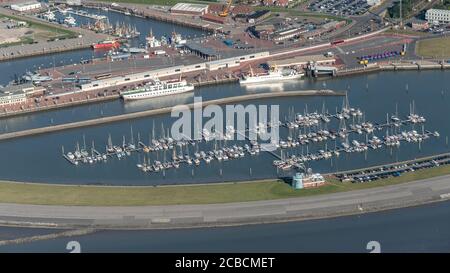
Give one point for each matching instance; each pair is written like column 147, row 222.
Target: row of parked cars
column 391, row 171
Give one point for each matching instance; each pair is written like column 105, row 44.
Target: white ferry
column 273, row 75
column 157, row 88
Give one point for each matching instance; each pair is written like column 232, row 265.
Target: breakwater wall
column 69, row 233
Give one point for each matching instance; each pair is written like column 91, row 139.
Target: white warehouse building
column 189, row 9
column 437, row 16
column 26, row 6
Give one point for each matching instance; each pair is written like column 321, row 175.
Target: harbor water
column 39, row 159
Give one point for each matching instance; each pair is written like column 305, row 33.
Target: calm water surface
column 416, row 229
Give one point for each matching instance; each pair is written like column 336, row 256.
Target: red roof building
column 242, row 9
column 213, row 18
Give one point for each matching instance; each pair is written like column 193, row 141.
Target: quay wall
column 104, row 120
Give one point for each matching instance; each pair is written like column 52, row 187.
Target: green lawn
column 46, row 194
column 292, row 11
column 434, row 48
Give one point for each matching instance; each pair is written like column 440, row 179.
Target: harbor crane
column 226, row 9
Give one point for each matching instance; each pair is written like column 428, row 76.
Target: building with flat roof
column 189, row 9
column 26, row 6
column 437, row 16
column 202, row 51
column 303, row 61
column 304, row 181
column 27, row 88
column 288, row 33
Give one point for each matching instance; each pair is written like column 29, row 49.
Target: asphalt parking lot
column 349, row 53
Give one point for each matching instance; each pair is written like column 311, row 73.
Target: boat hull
column 106, row 46
column 154, row 94
column 253, row 80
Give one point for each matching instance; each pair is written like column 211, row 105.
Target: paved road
column 395, row 196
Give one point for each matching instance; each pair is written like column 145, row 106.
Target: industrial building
column 419, row 24
column 235, row 61
column 198, row 49
column 263, row 31
column 9, row 98
column 189, row 9
column 26, row 6
column 289, row 33
column 437, row 16
column 258, row 16
column 303, row 61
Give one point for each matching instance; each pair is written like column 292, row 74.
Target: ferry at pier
column 273, row 75
column 107, row 44
column 157, row 88
column 70, row 21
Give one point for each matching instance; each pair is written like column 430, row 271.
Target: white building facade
column 26, row 6
column 437, row 16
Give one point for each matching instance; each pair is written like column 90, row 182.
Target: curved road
column 173, row 216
